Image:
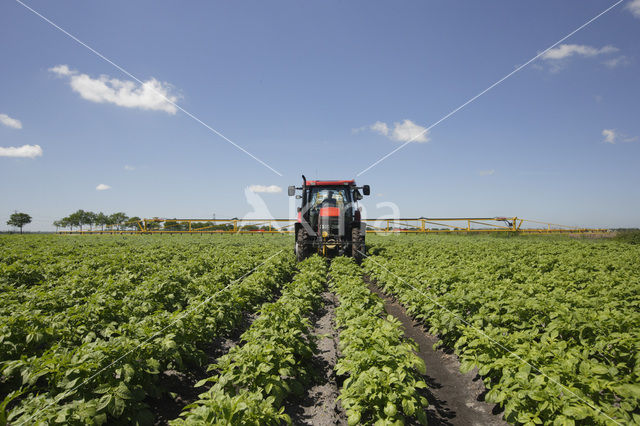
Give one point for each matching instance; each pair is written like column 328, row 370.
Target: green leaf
column 577, row 412
column 353, row 418
column 466, row 366
column 628, row 390
column 408, row 407
column 390, row 409
column 420, row 365
column 599, row 369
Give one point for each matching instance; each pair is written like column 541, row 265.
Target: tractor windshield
column 329, row 197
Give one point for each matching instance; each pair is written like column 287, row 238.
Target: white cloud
column 567, row 50
column 634, row 7
column 406, row 131
column 61, row 70
column 10, row 122
column 151, row 95
column 616, row 62
column 271, row 189
column 612, row 136
column 129, row 168
column 102, row 187
column 609, row 135
column 558, row 56
column 24, row 151
column 487, row 172
column 380, row 127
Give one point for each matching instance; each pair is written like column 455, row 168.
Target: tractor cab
column 329, row 220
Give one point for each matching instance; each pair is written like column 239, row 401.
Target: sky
column 174, row 109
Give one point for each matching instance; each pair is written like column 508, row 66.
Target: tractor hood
column 329, row 212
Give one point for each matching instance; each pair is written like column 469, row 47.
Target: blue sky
column 301, row 85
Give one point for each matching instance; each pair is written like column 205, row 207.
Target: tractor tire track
column 181, row 385
column 454, row 398
column 320, row 406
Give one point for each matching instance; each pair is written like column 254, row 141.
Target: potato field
column 229, row 329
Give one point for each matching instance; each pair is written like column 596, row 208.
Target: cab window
column 327, row 197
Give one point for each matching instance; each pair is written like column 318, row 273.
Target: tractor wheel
column 303, row 247
column 358, row 248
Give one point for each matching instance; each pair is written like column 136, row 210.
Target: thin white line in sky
column 100, row 55
column 491, row 87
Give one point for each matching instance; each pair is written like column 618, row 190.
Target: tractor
column 329, row 221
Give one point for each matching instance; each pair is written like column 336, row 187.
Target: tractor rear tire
column 303, row 245
column 358, row 248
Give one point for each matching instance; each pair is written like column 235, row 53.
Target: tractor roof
column 330, row 182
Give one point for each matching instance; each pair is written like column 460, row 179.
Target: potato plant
column 273, row 363
column 107, row 333
column 553, row 326
column 383, row 372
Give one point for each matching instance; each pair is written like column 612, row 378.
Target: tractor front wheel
column 303, row 245
column 358, row 248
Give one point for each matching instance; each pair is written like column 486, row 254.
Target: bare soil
column 319, row 406
column 454, row 398
column 180, row 385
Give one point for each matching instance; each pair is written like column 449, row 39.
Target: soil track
column 454, row 398
column 181, row 385
column 319, row 406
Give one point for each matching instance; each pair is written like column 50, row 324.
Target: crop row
column 552, row 326
column 254, row 379
column 117, row 366
column 383, row 384
column 73, row 298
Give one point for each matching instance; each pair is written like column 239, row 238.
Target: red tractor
column 329, row 221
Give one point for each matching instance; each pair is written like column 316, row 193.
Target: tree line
column 80, row 218
column 177, row 225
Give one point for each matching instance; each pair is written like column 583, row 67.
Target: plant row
column 109, row 375
column 274, row 362
column 383, row 384
column 102, row 310
column 65, row 299
column 552, row 326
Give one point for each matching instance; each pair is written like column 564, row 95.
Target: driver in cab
column 329, row 201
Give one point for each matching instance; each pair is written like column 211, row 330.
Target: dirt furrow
column 182, row 384
column 319, row 406
column 454, row 398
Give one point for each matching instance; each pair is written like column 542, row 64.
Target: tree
column 19, row 220
column 118, row 218
column 153, row 225
column 77, row 219
column 102, row 220
column 89, row 218
column 65, row 222
column 133, row 223
column 82, row 217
